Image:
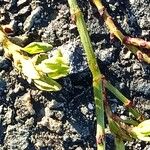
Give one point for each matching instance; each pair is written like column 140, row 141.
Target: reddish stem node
column 143, row 43
column 101, row 11
column 73, row 19
column 139, row 55
column 100, row 139
column 126, row 40
column 136, row 42
column 112, row 37
column 129, row 104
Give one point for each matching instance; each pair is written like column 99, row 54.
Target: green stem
column 130, row 121
column 77, row 15
column 124, row 100
column 119, row 144
column 117, row 93
column 115, row 122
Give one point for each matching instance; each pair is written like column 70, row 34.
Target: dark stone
column 5, row 64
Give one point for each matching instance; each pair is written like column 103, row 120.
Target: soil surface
column 31, row 119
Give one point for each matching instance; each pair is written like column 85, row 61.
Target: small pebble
column 136, row 66
column 90, row 106
column 127, row 56
column 21, row 2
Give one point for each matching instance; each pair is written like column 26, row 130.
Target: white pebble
column 90, row 106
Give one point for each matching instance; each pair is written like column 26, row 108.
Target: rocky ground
column 31, row 119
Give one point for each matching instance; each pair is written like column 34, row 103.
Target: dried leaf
column 29, row 70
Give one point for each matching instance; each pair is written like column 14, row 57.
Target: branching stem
column 128, row 42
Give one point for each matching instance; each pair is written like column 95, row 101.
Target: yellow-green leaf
column 62, row 72
column 47, row 84
column 143, row 128
column 37, row 47
column 54, row 70
column 46, row 67
column 37, row 59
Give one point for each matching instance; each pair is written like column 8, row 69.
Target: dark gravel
column 31, row 119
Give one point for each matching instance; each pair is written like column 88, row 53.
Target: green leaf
column 62, row 72
column 47, row 84
column 56, row 66
column 143, row 128
column 116, row 129
column 37, row 59
column 37, row 47
column 54, row 70
column 46, row 66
